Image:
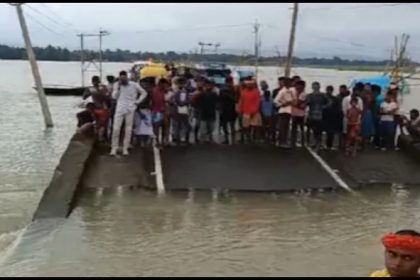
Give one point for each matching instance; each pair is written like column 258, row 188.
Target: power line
column 42, row 25
column 47, row 17
column 184, row 29
column 59, row 17
column 357, row 7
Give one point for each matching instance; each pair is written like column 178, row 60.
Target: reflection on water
column 137, row 233
column 133, row 233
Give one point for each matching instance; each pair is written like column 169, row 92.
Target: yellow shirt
column 380, row 273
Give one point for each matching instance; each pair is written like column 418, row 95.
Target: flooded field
column 135, row 233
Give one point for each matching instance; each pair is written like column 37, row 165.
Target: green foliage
column 63, row 54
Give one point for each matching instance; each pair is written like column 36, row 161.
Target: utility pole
column 216, row 46
column 291, row 40
column 82, row 37
column 257, row 47
column 34, row 66
column 101, row 34
column 201, row 47
column 82, row 58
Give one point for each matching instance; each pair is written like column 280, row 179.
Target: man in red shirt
column 248, row 107
column 158, row 109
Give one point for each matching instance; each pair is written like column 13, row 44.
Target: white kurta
column 128, row 97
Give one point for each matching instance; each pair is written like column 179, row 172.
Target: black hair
column 296, row 78
column 96, row 78
column 288, row 81
column 110, row 78
column 316, row 83
column 123, row 73
column 408, row 232
column 359, row 86
column 181, row 80
column 281, row 78
column 90, row 105
column 415, row 111
column 343, row 86
column 330, row 88
column 163, row 81
column 301, row 83
column 209, row 82
column 375, row 88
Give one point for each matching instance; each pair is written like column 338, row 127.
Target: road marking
column 158, row 171
column 330, row 171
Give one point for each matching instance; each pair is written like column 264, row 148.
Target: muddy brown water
column 136, row 233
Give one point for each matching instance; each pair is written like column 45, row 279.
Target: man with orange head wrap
column 402, row 254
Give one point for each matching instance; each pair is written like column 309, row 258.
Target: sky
column 348, row 30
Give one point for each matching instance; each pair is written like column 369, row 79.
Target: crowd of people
column 182, row 109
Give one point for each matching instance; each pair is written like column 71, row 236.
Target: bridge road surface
column 242, row 168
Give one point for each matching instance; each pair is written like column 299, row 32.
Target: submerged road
column 252, row 168
column 242, row 168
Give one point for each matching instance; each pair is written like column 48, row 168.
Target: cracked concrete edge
column 58, row 197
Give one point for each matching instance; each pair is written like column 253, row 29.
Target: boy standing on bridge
column 267, row 113
column 249, row 108
column 207, row 103
column 285, row 100
column 354, row 116
column 298, row 113
column 182, row 103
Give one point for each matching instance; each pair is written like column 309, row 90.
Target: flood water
column 135, row 233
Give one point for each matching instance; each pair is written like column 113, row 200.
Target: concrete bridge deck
column 86, row 164
column 242, row 168
column 375, row 167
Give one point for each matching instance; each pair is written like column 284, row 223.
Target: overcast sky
column 350, row 30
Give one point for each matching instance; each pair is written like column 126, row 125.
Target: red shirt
column 249, row 101
column 158, row 100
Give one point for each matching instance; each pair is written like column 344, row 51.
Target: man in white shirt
column 128, row 95
column 285, row 101
column 387, row 125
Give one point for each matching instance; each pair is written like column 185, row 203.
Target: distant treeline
column 63, row 54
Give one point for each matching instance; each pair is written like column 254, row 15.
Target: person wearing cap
column 128, row 95
column 402, row 254
column 248, row 107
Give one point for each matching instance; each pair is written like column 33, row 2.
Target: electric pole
column 291, row 40
column 82, row 58
column 101, row 34
column 34, row 66
column 216, row 46
column 257, row 47
column 201, row 47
